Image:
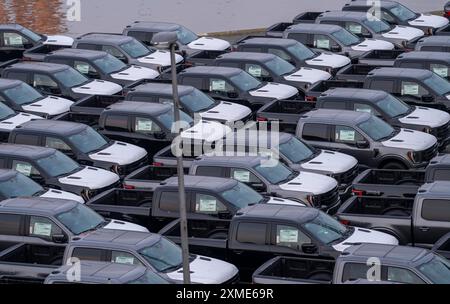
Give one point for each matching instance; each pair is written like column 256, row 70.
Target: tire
column 321, row 276
column 219, row 236
column 397, row 212
column 394, row 166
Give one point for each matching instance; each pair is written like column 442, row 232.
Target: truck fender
column 401, row 239
column 393, row 158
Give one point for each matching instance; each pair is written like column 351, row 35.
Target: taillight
column 358, row 193
column 156, row 164
column 129, row 187
column 447, row 14
column 310, row 98
column 345, row 222
column 261, row 119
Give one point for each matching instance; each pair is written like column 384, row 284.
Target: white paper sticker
column 218, row 85
column 255, row 70
column 144, row 125
column 124, row 260
column 347, row 135
column 323, row 43
column 82, row 68
column 443, row 72
column 166, row 101
column 242, row 176
column 207, row 205
column 43, row 229
column 288, row 236
column 355, row 28
column 13, row 39
column 365, row 110
column 25, row 169
column 410, row 89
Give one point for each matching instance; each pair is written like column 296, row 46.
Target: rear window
column 354, row 271
column 252, row 233
column 10, row 224
column 436, row 210
column 90, row 254
column 316, row 132
column 116, row 123
column 169, row 201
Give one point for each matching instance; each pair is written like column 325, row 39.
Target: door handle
column 238, row 251
column 424, row 229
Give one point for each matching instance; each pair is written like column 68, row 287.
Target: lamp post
column 167, row 40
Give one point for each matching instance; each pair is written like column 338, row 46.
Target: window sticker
column 355, row 28
column 217, row 85
column 255, row 70
column 347, row 135
column 82, row 68
column 441, row 71
column 166, row 101
column 323, row 43
column 363, row 108
column 25, row 169
column 207, row 205
column 288, row 236
column 242, row 176
column 410, row 89
column 144, row 125
column 44, row 229
column 124, row 260
column 13, row 39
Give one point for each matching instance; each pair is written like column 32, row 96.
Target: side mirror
column 159, row 135
column 362, row 144
column 309, row 248
column 258, row 186
column 266, row 78
column 428, row 98
column 123, row 59
column 336, row 48
column 224, row 215
column 232, row 95
column 28, row 46
column 59, row 238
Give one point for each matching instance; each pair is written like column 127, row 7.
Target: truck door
column 14, row 44
column 349, row 141
column 248, row 178
column 431, row 220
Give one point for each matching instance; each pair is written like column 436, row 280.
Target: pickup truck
column 277, row 29
column 353, row 265
column 438, row 62
column 380, row 57
column 262, row 231
column 319, row 88
column 210, row 201
column 420, row 221
column 401, row 183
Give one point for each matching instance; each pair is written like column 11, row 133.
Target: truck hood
column 206, row 130
column 98, row 87
column 373, row 44
column 330, row 60
column 121, row 225
column 366, row 236
column 59, row 40
column 226, row 111
column 428, row 20
column 427, row 117
column 329, row 161
column 20, row 118
column 120, row 153
column 51, row 193
column 404, row 33
column 51, row 105
column 209, row 44
column 411, row 140
column 159, row 57
column 308, row 75
column 91, row 178
column 310, row 182
column 282, row 201
column 135, row 73
column 275, row 90
column 205, row 270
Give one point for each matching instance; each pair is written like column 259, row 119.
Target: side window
column 440, row 69
column 354, row 271
column 12, row 39
column 209, row 171
column 413, row 89
column 145, row 37
column 442, row 175
column 56, row 143
column 146, row 126
column 220, row 85
column 347, row 135
column 86, row 69
column 244, row 176
column 116, row 123
column 44, row 82
column 90, row 254
column 195, row 82
column 121, row 257
column 25, row 168
column 436, row 210
column 88, row 46
column 244, row 48
column 18, row 76
column 26, row 139
column 252, row 233
column 280, row 53
column 356, row 29
column 113, row 51
column 382, row 85
column 322, row 42
column 300, row 37
column 341, row 105
column 401, row 275
column 256, row 70
column 432, row 48
column 361, row 107
column 316, row 132
column 291, row 237
column 43, row 227
column 169, row 201
column 411, row 65
column 207, row 204
column 10, row 224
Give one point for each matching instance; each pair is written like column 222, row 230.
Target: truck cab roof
column 425, row 56
column 309, row 28
column 434, row 41
column 44, row 67
column 268, row 212
column 436, row 189
column 78, row 54
column 9, row 83
column 343, row 15
column 211, row 71
column 43, row 126
column 25, row 151
column 246, row 56
column 104, row 38
column 154, row 26
column 213, row 184
column 135, row 107
column 269, row 41
column 11, row 26
column 369, row 4
column 161, row 89
column 331, row 116
column 261, row 139
column 419, row 74
column 228, row 161
column 37, row 205
column 344, row 94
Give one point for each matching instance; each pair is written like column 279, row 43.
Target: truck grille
column 136, row 165
column 330, row 198
column 442, row 132
column 430, row 153
column 346, row 177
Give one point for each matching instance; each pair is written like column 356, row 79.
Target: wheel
column 394, row 166
column 397, row 212
column 219, row 236
column 320, row 276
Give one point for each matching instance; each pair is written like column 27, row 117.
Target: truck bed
column 322, row 86
column 354, row 72
column 94, row 105
column 165, row 158
column 375, row 206
column 277, row 29
column 11, row 54
column 203, row 57
column 148, row 177
column 380, row 57
column 39, row 52
column 445, row 31
column 87, row 119
column 292, row 270
column 391, row 183
column 306, row 17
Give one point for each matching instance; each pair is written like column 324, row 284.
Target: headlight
column 311, row 200
column 117, row 169
column 414, row 156
column 427, row 130
column 86, row 194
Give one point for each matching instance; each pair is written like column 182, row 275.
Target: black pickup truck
column 380, row 57
column 277, row 29
column 401, row 183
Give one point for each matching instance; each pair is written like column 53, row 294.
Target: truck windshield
column 345, row 37
column 109, row 64
column 280, row 66
column 22, row 94
column 149, row 278
column 393, row 107
column 197, row 101
column 163, row 255
column 439, row 85
column 58, row 164
column 6, row 112
column 81, row 219
column 166, row 119
column 301, row 52
column 326, row 229
column 135, row 49
column 377, row 129
column 275, row 174
column 19, row 185
column 32, row 35
column 377, row 25
column 71, row 78
column 296, row 151
column 185, row 36
column 242, row 196
column 403, row 13
column 88, row 140
column 245, row 82
column 437, row 270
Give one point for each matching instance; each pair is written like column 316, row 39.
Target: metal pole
column 180, row 169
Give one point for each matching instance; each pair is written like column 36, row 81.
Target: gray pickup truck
column 420, row 221
column 398, row 265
